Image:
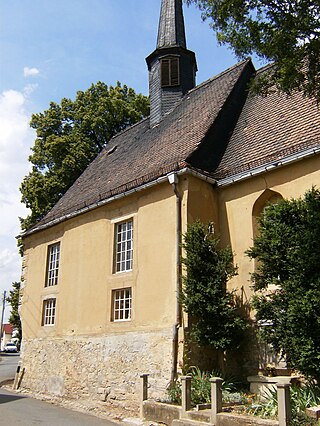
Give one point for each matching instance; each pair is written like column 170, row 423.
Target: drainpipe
column 173, row 180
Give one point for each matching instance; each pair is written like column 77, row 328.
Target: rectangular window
column 170, row 75
column 122, row 303
column 53, row 265
column 124, row 246
column 49, row 312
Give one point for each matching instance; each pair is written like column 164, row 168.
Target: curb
column 6, row 382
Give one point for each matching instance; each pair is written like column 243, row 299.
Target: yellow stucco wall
column 86, row 276
column 202, row 202
column 237, row 201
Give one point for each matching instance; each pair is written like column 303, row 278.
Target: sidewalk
column 25, row 411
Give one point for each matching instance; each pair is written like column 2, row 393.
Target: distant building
column 102, row 269
column 7, row 333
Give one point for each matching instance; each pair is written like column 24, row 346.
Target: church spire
column 172, row 67
column 171, row 25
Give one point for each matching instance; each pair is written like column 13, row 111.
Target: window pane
column 53, row 265
column 124, row 244
column 122, row 304
column 49, row 312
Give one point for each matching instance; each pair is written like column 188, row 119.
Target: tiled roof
column 215, row 129
column 141, row 154
column 269, row 129
column 7, row 328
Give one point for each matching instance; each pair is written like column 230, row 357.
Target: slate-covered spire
column 171, row 25
column 172, row 67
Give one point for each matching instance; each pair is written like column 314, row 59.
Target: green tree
column 287, row 251
column 69, row 136
column 14, row 318
column 211, row 307
column 283, row 32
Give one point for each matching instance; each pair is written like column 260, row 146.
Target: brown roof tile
column 269, row 129
column 141, row 154
column 215, row 128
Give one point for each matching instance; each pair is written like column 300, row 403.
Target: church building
column 101, row 271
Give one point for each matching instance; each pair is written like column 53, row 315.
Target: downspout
column 173, row 180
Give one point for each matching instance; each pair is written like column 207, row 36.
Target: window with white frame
column 122, row 304
column 53, row 265
column 49, row 312
column 124, row 246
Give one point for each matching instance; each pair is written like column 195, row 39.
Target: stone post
column 216, row 398
column 144, row 392
column 284, row 409
column 186, row 394
column 16, row 377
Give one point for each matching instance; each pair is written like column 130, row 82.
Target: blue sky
column 50, row 50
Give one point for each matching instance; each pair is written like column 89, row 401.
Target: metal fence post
column 284, row 408
column 216, row 398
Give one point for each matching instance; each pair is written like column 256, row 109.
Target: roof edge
column 268, row 166
column 221, row 74
column 159, row 180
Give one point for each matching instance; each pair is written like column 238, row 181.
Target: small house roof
column 7, row 328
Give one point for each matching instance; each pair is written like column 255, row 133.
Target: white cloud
column 30, row 72
column 29, row 88
column 7, row 257
column 16, row 138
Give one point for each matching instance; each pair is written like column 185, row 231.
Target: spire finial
column 171, row 25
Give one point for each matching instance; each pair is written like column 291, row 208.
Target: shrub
column 302, row 397
column 213, row 310
column 201, row 388
column 287, row 252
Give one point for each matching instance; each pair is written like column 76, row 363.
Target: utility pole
column 3, row 307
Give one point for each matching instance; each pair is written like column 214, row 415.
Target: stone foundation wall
column 104, row 368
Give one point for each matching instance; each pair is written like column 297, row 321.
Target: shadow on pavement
column 4, row 398
column 5, row 354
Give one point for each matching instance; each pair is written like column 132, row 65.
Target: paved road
column 18, row 410
column 8, row 366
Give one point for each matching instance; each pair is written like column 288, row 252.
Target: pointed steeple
column 172, row 67
column 171, row 25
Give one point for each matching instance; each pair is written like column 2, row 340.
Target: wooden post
column 186, row 394
column 216, row 398
column 144, row 392
column 284, row 408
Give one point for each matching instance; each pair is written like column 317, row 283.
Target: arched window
column 268, row 358
column 266, row 198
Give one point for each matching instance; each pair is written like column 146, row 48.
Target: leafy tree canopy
column 288, row 253
column 283, row 32
column 69, row 136
column 13, row 299
column 204, row 296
